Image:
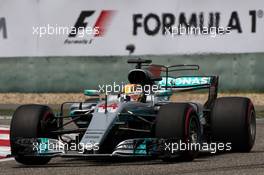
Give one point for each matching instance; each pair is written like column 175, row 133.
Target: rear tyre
column 178, row 122
column 30, row 121
column 233, row 120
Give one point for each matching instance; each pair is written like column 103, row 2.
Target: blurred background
column 50, row 51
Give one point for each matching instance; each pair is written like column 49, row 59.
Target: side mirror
column 163, row 93
column 90, row 92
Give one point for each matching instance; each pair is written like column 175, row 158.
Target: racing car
column 133, row 124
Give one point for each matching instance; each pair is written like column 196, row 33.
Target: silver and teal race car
column 134, row 124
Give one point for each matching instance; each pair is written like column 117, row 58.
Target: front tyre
column 179, row 122
column 30, row 121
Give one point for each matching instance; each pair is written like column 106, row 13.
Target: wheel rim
column 193, row 131
column 252, row 126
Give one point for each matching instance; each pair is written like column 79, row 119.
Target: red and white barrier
column 4, row 142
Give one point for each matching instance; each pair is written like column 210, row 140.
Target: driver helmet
column 132, row 93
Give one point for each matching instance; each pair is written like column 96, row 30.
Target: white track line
column 6, row 159
column 5, row 117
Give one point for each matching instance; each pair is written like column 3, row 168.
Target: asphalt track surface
column 230, row 163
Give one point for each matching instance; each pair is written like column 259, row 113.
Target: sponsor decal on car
column 184, row 81
column 110, row 108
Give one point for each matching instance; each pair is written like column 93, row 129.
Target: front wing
column 142, row 148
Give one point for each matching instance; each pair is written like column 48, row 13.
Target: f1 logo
column 101, row 22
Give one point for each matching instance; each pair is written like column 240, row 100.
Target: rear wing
column 189, row 83
column 180, row 82
column 186, row 83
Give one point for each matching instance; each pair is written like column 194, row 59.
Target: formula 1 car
column 133, row 124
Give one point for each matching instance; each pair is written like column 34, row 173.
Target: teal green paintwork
column 141, row 149
column 43, row 145
column 90, row 92
column 164, row 93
